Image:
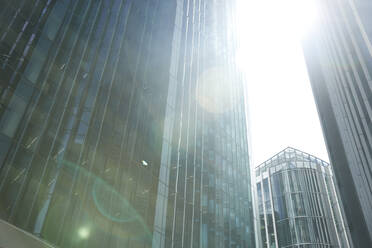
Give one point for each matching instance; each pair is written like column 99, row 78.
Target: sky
column 281, row 107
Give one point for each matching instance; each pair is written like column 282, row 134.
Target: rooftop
column 291, row 153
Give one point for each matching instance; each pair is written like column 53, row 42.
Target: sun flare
column 263, row 26
column 269, row 54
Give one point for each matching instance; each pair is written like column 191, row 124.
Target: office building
column 122, row 123
column 297, row 203
column 338, row 53
column 82, row 89
column 204, row 176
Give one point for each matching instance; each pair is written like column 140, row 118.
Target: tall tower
column 297, row 202
column 122, row 123
column 338, row 53
column 83, row 84
column 204, row 192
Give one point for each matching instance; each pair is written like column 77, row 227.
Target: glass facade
column 297, row 203
column 338, row 53
column 83, row 86
column 204, row 174
column 122, row 124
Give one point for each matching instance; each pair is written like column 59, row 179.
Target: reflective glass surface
column 338, row 54
column 305, row 210
column 122, row 124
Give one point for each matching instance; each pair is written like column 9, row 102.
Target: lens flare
column 214, row 89
column 83, row 232
column 108, row 207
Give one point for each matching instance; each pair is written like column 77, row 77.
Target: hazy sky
column 281, row 104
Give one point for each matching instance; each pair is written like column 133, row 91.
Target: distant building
column 338, row 53
column 297, row 203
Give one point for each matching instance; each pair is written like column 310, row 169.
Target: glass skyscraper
column 204, row 176
column 297, row 203
column 122, row 123
column 338, row 52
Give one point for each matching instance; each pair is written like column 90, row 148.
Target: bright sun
column 260, row 23
column 281, row 107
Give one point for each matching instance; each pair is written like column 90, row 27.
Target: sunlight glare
column 269, row 54
column 262, row 23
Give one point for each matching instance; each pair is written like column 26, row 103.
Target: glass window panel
column 284, row 235
column 302, row 230
column 12, row 116
column 266, row 189
column 259, row 193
